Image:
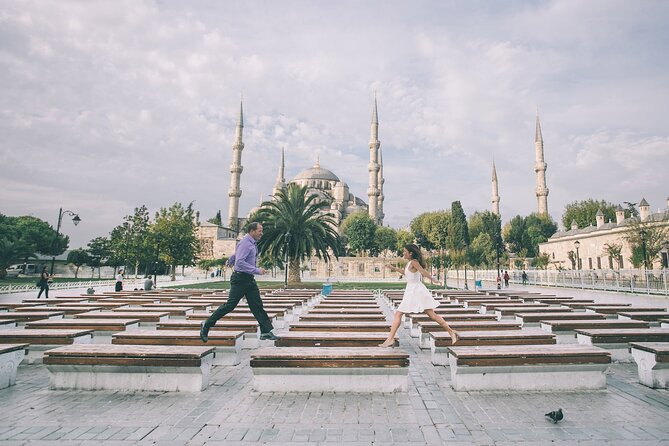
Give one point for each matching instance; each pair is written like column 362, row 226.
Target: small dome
column 316, row 173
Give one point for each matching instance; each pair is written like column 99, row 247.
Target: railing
column 638, row 281
column 27, row 287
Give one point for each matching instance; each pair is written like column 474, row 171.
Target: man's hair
column 252, row 226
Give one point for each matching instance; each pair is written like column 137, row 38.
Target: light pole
column 127, row 227
column 577, row 245
column 286, row 242
column 75, row 220
column 155, row 268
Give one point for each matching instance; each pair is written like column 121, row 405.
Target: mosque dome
column 317, row 173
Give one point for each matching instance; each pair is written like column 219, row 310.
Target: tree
column 523, row 234
column 458, row 233
column 404, row 237
column 179, row 244
column 542, row 260
column 216, row 219
column 614, row 252
column 311, row 231
column 99, row 252
column 647, row 238
column 359, row 230
column 421, row 226
column 30, row 235
column 488, row 224
column 139, row 249
column 386, row 240
column 9, row 253
column 584, row 212
column 78, row 257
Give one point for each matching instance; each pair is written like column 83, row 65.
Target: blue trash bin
column 478, row 284
column 327, row 289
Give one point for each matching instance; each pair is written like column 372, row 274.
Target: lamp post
column 665, row 254
column 127, row 227
column 643, row 235
column 75, row 220
column 286, row 242
column 155, row 267
column 577, row 245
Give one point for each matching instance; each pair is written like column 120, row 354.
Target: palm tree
column 311, row 231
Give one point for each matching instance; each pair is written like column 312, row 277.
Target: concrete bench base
column 330, row 380
column 11, row 356
column 129, row 368
column 529, row 378
column 652, row 363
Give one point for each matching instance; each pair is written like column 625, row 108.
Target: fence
column 27, row 287
column 638, row 281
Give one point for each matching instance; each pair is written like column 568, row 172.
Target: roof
column 316, row 173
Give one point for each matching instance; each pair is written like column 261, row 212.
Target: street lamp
column 643, row 235
column 577, row 245
column 155, row 267
column 75, row 220
column 127, row 227
column 286, row 242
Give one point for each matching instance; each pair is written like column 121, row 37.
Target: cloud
column 108, row 106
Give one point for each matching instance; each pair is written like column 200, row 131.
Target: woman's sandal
column 385, row 345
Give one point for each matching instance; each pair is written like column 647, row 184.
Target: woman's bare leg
column 440, row 320
column 397, row 320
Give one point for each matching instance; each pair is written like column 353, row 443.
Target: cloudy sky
column 108, row 105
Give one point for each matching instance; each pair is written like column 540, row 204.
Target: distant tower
column 540, row 170
column 380, row 182
column 236, row 169
column 280, row 178
column 495, row 191
column 373, row 167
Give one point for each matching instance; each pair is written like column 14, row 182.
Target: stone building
column 590, row 243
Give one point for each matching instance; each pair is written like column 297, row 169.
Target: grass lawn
column 33, row 280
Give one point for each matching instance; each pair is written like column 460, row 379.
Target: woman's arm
column 422, row 271
column 394, row 268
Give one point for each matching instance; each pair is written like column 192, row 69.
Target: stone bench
column 42, row 340
column 67, row 311
column 528, row 367
column 330, row 339
column 102, row 328
column 490, row 307
column 441, row 341
column 648, row 316
column 276, row 318
column 362, row 317
column 11, row 356
column 329, row 369
column 23, row 317
column 425, row 328
column 412, row 321
column 617, row 341
column 652, row 360
column 664, row 323
column 615, row 309
column 501, row 312
column 227, row 344
column 341, row 326
column 251, row 329
column 564, row 329
column 146, row 319
column 7, row 323
column 129, row 367
column 534, row 319
column 175, row 311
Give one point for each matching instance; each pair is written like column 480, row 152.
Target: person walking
column 417, row 298
column 43, row 284
column 119, row 281
column 506, row 279
column 243, row 284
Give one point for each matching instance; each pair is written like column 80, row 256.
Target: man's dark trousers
column 242, row 284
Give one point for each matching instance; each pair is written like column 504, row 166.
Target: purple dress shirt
column 244, row 259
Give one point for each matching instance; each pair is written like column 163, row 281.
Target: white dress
column 417, row 298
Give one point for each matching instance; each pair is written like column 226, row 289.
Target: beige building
column 590, row 243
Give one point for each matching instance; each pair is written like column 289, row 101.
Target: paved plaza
column 230, row 412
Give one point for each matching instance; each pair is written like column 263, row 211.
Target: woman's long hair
column 415, row 253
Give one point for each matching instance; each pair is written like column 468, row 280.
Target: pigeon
column 555, row 415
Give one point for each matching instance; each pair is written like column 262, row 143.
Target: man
column 242, row 283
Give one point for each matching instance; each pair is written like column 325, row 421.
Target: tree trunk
column 76, row 272
column 173, row 273
column 294, row 271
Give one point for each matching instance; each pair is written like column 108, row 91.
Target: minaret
column 495, row 191
column 540, row 170
column 280, row 179
column 236, row 169
column 380, row 182
column 373, row 167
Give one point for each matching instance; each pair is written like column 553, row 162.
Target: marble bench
column 329, row 369
column 227, row 344
column 528, row 367
column 251, row 329
column 129, row 367
column 425, row 328
column 331, row 339
column 441, row 341
column 564, row 329
column 617, row 340
column 11, row 356
column 102, row 328
column 42, row 340
column 652, row 360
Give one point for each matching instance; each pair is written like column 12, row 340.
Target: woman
column 417, row 298
column 43, row 284
column 119, row 281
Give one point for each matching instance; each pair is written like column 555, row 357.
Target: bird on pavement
column 555, row 415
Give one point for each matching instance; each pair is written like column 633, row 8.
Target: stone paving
column 230, row 412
